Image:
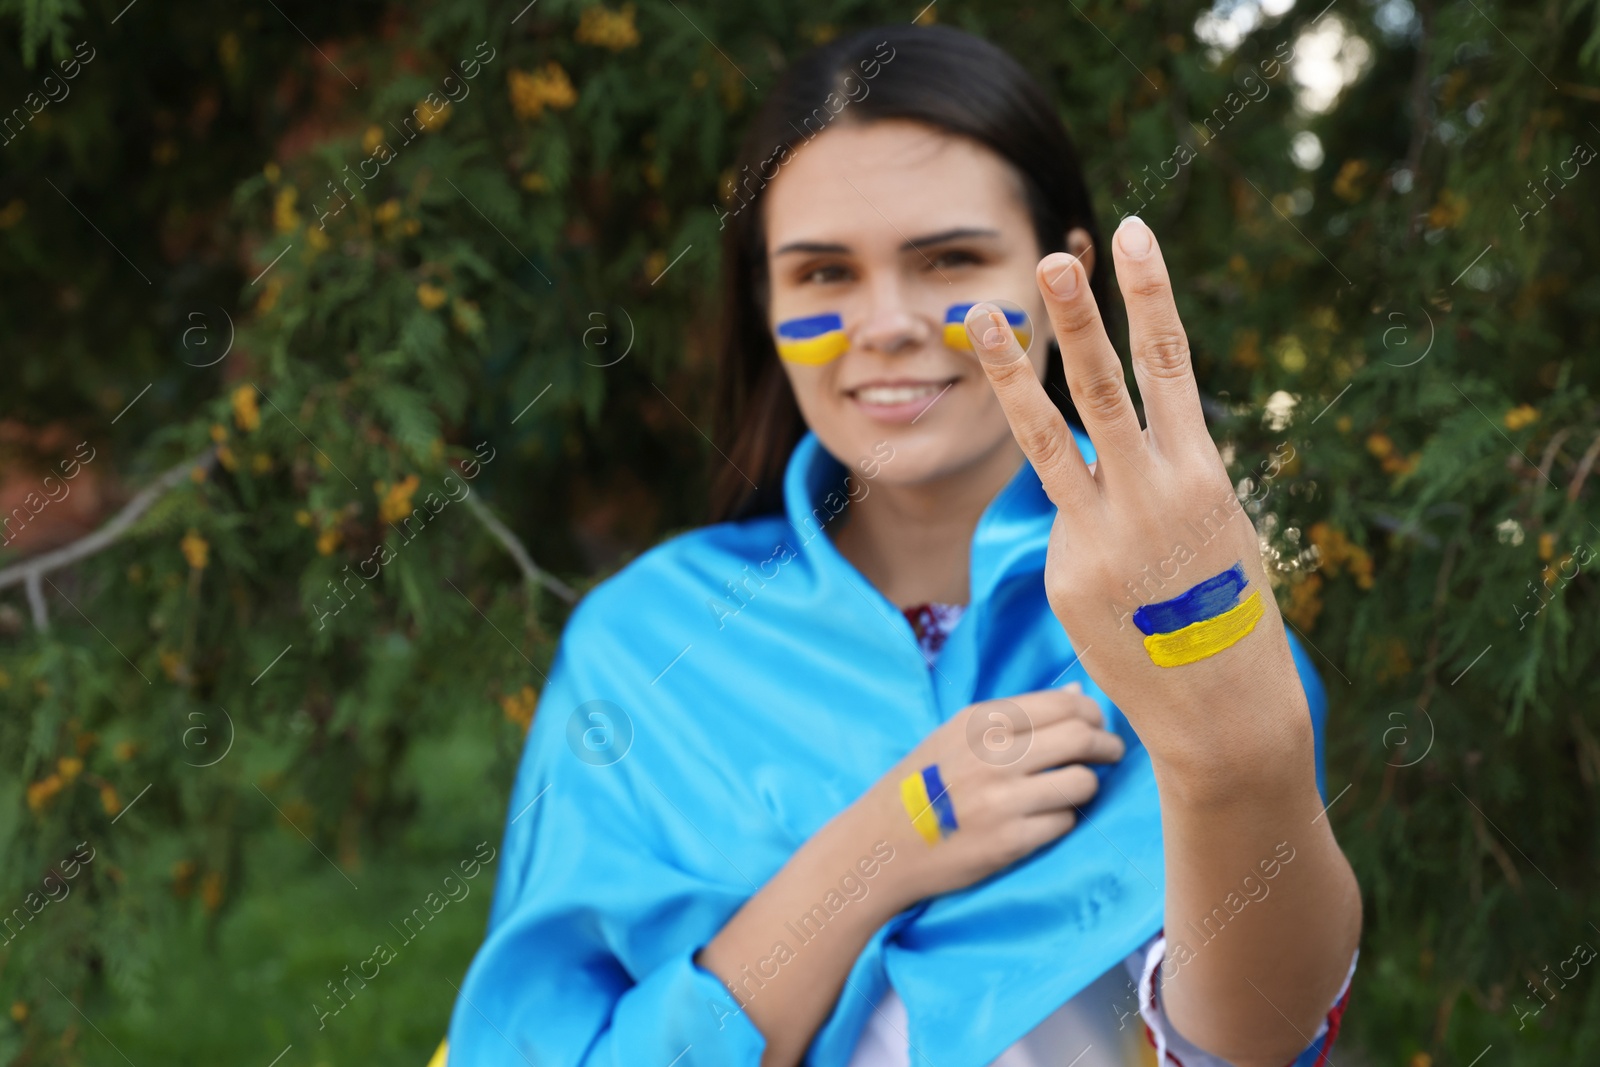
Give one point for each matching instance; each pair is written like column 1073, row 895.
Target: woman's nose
column 891, row 326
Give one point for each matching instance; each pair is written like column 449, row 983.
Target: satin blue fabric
column 710, row 708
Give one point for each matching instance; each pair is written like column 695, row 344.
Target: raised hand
column 1154, row 569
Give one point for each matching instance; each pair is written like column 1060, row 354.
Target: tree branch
column 32, row 571
column 530, row 570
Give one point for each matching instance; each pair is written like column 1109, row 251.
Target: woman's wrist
column 1270, row 752
column 869, row 828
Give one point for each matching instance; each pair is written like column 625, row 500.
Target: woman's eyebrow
column 911, row 245
column 812, row 247
column 957, row 234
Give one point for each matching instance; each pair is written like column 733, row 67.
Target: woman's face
column 887, row 225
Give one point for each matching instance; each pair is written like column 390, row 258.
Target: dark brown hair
column 936, row 75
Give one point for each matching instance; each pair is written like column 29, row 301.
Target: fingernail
column 998, row 333
column 1134, row 236
column 1061, row 274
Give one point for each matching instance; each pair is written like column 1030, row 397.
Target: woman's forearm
column 1263, row 912
column 786, row 953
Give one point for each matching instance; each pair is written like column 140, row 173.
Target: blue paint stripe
column 941, row 799
column 805, row 329
column 1201, row 602
column 958, row 314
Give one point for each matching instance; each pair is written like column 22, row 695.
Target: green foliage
column 1419, row 287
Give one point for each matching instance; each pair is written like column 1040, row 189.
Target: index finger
column 1036, row 422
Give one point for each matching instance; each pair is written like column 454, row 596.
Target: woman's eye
column 954, row 257
column 825, row 274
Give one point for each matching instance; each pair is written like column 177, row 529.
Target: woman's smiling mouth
column 899, row 400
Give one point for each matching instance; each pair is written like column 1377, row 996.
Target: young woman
column 971, row 731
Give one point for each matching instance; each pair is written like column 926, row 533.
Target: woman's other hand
column 1013, row 771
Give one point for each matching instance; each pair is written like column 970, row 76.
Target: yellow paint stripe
column 440, row 1056
column 955, row 335
column 914, row 796
column 1201, row 639
column 821, row 349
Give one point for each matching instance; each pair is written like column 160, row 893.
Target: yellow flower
column 41, row 792
column 329, row 540
column 518, row 707
column 1338, row 552
column 226, row 457
column 195, row 549
column 19, row 1011
column 927, row 16
column 654, row 264
column 1547, row 545
column 125, row 750
column 69, row 766
column 430, row 117
column 219, row 432
column 171, row 664
column 1379, row 445
column 411, row 227
column 431, row 296
column 532, row 92
column 1450, row 209
column 318, row 239
column 108, row 799
column 1304, row 604
column 269, row 295
column 183, row 878
column 395, row 500
column 260, row 463
column 465, row 316
column 387, row 211
column 272, row 172
column 1347, row 184
column 1247, row 348
column 1393, row 661
column 284, row 217
column 604, row 28
column 372, row 139
column 535, row 182
column 302, row 517
column 246, row 415
column 1521, row 416
column 12, row 214
column 211, row 890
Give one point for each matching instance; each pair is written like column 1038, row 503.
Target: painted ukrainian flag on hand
column 1201, row 621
